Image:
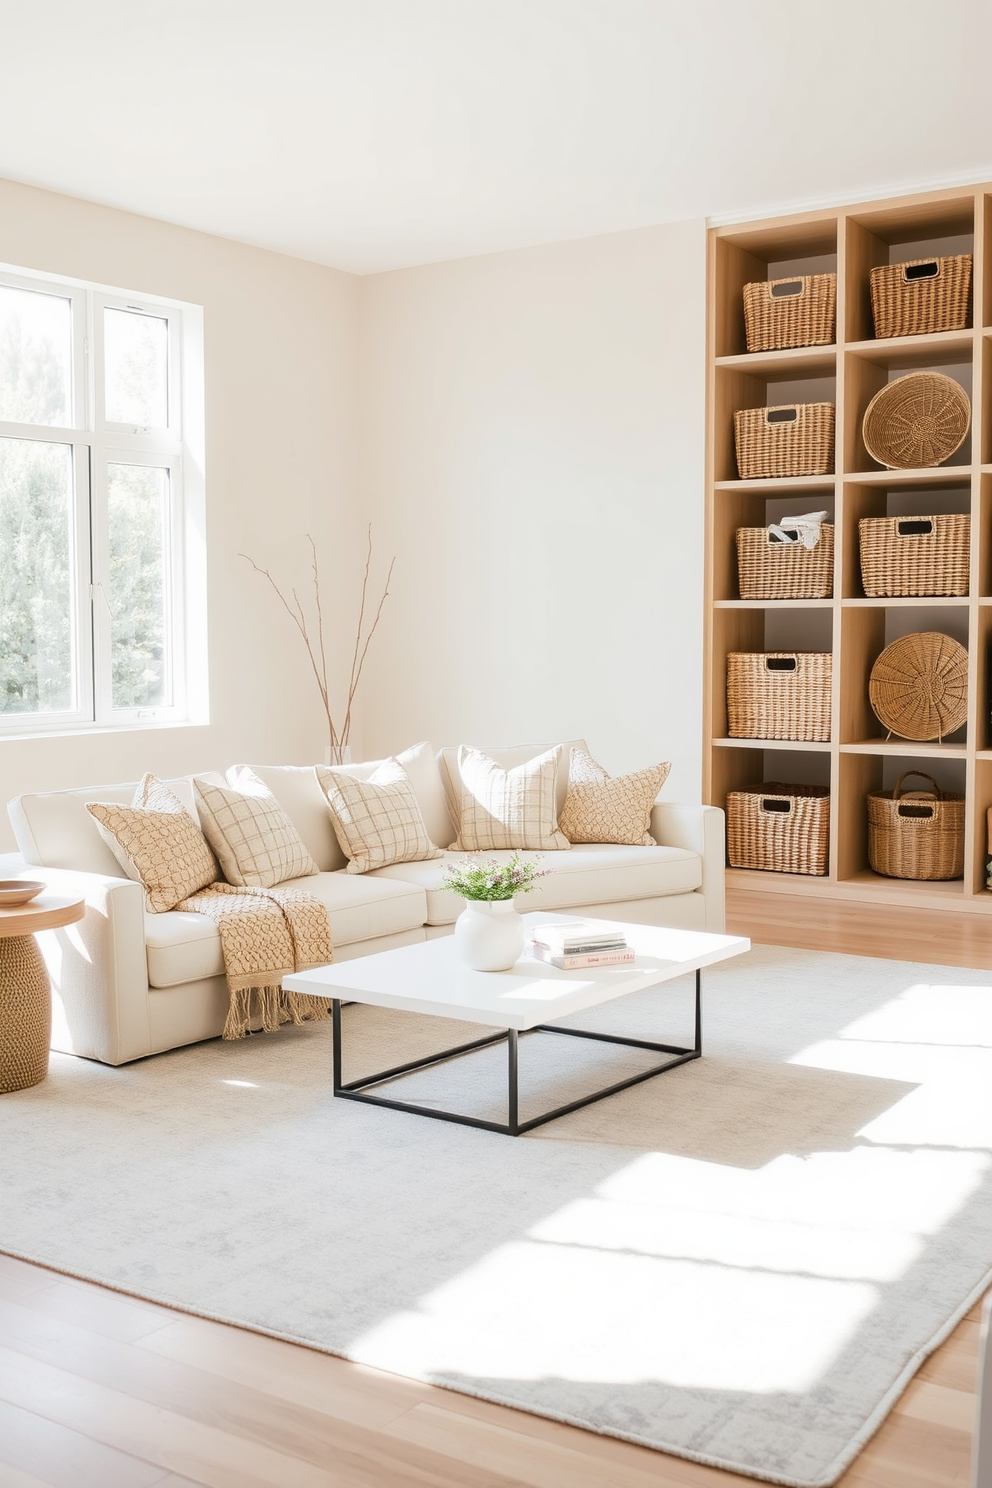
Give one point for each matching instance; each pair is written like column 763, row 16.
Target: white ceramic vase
column 489, row 934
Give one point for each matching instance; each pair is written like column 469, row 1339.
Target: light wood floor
column 98, row 1390
column 895, row 933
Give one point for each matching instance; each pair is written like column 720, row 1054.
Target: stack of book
column 578, row 944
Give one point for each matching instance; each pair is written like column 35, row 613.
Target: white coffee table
column 429, row 978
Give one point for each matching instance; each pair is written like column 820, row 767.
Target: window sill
column 93, row 730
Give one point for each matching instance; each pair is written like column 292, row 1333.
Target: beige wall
column 532, row 450
column 281, row 390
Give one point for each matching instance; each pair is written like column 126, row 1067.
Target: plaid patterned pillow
column 252, row 836
column 378, row 821
column 604, row 808
column 508, row 808
column 157, row 843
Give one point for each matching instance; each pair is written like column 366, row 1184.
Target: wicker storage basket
column 919, row 834
column 916, row 422
column 779, row 695
column 779, row 828
column 777, row 570
column 926, row 294
column 914, row 555
column 790, row 312
column 790, row 439
column 918, row 687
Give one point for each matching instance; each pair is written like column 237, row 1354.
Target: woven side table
column 25, row 992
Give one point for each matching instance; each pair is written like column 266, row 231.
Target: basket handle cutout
column 897, row 792
column 786, row 287
column 921, row 811
column 914, row 527
column 928, row 270
column 781, row 415
column 780, row 663
column 776, row 803
column 790, row 538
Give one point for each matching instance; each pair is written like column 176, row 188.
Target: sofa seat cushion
column 589, row 874
column 184, row 947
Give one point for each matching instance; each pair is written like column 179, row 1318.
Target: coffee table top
column 429, row 978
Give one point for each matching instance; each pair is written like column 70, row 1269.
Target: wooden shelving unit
column 858, row 758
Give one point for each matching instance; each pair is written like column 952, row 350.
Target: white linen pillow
column 508, row 808
column 424, row 771
column 507, row 756
column 255, row 841
column 378, row 821
column 298, row 792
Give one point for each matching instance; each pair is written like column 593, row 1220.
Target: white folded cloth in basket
column 804, row 529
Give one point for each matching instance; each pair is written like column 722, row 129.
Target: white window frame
column 96, row 444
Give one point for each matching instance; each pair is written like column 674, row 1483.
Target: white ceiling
column 372, row 134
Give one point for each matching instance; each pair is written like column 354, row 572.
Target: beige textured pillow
column 508, row 808
column 604, row 808
column 378, row 821
column 252, row 836
column 158, row 843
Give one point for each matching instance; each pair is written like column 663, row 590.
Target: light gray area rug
column 742, row 1262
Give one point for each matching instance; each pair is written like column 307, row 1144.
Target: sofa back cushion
column 54, row 829
column 508, row 757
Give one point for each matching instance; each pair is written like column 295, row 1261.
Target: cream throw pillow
column 157, row 843
column 603, row 808
column 378, row 821
column 508, row 808
column 253, row 838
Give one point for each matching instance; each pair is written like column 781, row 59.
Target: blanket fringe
column 270, row 1006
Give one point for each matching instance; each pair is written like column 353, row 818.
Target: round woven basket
column 919, row 686
column 917, row 421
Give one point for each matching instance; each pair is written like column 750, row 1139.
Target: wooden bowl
column 14, row 891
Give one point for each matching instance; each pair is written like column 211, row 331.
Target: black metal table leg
column 357, row 1089
column 511, row 1102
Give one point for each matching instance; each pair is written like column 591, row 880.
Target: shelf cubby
column 855, row 627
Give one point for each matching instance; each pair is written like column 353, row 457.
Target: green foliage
column 490, row 879
column 35, row 585
column 137, row 510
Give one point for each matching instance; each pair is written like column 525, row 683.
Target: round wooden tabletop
column 47, row 912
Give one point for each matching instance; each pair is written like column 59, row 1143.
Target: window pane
column 137, row 369
column 36, row 651
column 138, row 511
column 35, row 357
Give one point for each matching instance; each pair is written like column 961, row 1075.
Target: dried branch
column 315, row 646
column 358, row 674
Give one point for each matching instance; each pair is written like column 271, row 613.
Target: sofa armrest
column 98, row 968
column 698, row 829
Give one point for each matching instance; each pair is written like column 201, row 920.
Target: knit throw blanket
column 266, row 934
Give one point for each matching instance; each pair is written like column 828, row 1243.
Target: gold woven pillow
column 508, row 808
column 603, row 808
column 377, row 821
column 158, row 843
column 252, row 836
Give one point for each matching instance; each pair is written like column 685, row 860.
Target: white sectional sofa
column 128, row 983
